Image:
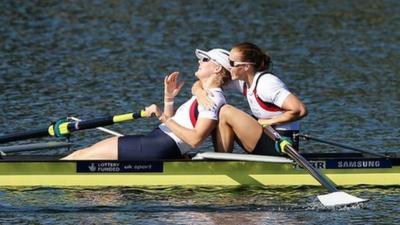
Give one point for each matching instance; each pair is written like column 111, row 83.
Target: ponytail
column 265, row 62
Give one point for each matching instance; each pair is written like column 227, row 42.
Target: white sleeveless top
column 271, row 91
column 184, row 116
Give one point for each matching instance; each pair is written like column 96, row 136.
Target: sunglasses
column 237, row 64
column 205, row 59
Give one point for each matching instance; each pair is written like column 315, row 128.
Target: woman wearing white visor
column 180, row 131
column 271, row 104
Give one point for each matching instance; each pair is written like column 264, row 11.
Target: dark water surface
column 197, row 205
column 96, row 58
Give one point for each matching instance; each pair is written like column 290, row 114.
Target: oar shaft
column 332, row 199
column 65, row 128
column 302, row 161
column 88, row 124
column 100, row 122
column 34, row 147
column 100, row 128
column 308, row 137
column 306, row 165
column 24, row 135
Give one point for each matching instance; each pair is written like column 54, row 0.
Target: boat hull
column 346, row 171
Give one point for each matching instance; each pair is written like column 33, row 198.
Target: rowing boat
column 205, row 169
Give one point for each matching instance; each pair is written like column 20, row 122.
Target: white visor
column 219, row 55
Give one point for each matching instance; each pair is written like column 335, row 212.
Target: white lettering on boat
column 315, row 164
column 105, row 167
column 142, row 167
column 108, row 169
column 108, row 164
column 359, row 164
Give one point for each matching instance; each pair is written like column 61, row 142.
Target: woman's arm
column 207, row 120
column 194, row 137
column 294, row 109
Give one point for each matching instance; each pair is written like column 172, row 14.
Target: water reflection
column 201, row 205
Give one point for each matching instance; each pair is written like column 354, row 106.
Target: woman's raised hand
column 172, row 86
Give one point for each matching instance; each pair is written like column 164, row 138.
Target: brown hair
column 252, row 53
column 224, row 77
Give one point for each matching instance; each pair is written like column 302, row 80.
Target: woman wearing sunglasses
column 179, row 131
column 270, row 101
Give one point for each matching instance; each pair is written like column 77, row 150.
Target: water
column 90, row 59
column 172, row 205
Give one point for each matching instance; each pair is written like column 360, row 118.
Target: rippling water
column 95, row 58
column 200, row 205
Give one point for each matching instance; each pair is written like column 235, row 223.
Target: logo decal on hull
column 349, row 164
column 359, row 163
column 119, row 167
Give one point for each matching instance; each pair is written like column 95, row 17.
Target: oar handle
column 273, row 134
column 69, row 127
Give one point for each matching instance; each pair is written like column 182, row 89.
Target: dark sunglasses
column 205, row 59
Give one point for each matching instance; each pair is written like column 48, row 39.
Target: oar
column 108, row 131
column 308, row 137
column 33, row 147
column 335, row 198
column 62, row 128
